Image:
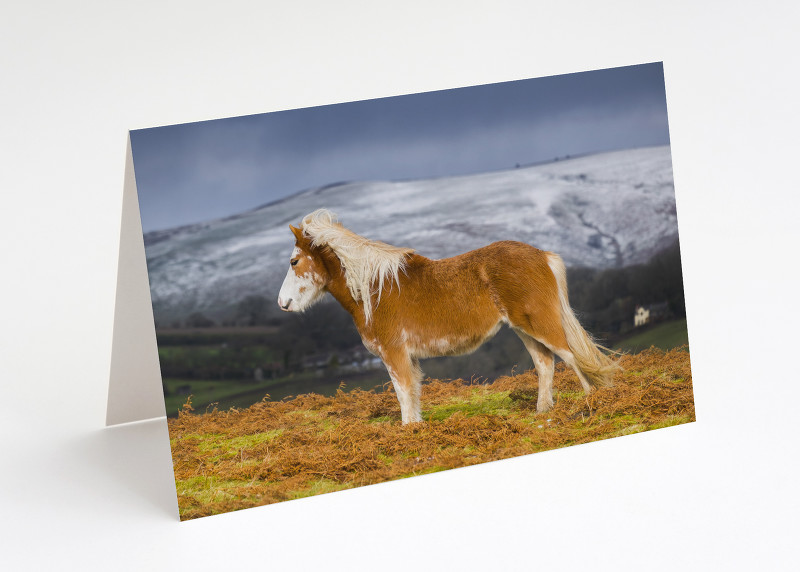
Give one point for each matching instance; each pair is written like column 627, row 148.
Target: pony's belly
column 421, row 346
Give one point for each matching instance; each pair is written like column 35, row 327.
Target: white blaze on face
column 298, row 292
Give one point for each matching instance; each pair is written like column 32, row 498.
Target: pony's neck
column 337, row 286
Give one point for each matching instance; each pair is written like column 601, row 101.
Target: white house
column 641, row 317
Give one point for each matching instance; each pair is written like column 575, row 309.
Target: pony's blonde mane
column 365, row 262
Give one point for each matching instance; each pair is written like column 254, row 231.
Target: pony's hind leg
column 552, row 338
column 565, row 354
column 554, row 341
column 569, row 359
column 545, row 368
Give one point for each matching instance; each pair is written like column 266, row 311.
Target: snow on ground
column 600, row 211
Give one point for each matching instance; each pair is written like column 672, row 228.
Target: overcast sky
column 206, row 170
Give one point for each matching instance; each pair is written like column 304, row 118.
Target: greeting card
column 343, row 295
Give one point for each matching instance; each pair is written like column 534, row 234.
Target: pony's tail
column 598, row 367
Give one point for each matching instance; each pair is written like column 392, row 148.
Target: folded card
column 326, row 298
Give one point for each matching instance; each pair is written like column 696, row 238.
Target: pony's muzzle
column 285, row 307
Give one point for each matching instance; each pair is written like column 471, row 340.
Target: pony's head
column 367, row 265
column 306, row 279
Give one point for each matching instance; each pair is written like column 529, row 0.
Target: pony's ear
column 298, row 234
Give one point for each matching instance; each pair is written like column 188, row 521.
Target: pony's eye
column 294, row 262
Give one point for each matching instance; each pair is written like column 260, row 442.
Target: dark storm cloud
column 193, row 172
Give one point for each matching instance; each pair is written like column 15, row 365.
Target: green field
column 664, row 336
column 205, row 391
column 225, row 394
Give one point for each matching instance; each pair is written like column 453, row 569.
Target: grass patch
column 481, row 401
column 209, row 490
column 220, row 447
column 425, row 471
column 320, row 487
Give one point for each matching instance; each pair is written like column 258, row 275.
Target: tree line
column 606, row 300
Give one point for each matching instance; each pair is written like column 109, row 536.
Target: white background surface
column 717, row 494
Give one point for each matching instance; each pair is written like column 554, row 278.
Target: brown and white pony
column 407, row 307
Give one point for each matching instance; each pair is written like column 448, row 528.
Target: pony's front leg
column 407, row 381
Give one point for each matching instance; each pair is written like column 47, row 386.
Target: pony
column 407, row 307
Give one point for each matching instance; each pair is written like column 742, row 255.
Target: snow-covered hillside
column 605, row 210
